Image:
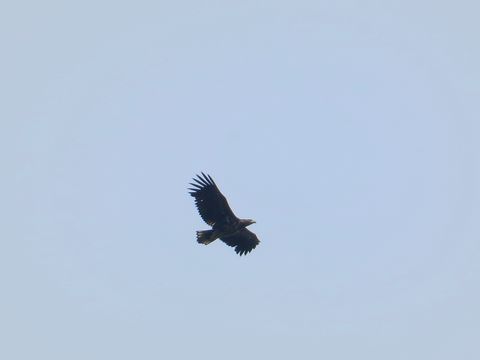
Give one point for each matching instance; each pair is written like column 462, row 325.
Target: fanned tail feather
column 205, row 237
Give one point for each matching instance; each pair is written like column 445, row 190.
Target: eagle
column 215, row 211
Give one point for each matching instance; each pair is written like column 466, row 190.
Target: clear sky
column 348, row 130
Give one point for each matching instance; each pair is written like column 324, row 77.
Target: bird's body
column 215, row 211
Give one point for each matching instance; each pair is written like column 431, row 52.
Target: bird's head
column 247, row 222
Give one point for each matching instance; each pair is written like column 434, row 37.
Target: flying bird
column 215, row 211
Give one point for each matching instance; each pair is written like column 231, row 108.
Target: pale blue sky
column 348, row 130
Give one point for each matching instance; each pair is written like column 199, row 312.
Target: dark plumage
column 215, row 211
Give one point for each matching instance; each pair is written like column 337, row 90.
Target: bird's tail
column 205, row 237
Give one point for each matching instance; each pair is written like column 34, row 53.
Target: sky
column 348, row 130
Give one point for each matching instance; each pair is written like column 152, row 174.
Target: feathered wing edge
column 211, row 204
column 202, row 181
column 244, row 241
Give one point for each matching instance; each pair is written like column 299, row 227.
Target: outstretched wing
column 211, row 204
column 244, row 241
